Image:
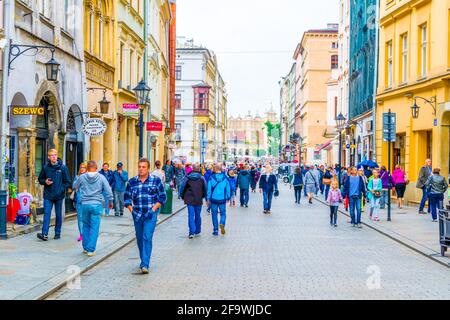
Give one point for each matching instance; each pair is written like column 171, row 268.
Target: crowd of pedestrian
column 96, row 192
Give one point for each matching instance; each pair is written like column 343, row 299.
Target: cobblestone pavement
column 292, row 254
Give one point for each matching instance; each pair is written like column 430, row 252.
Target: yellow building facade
column 100, row 62
column 415, row 62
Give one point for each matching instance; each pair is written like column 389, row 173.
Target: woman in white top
column 158, row 172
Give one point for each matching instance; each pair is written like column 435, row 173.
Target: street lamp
column 416, row 108
column 142, row 91
column 340, row 125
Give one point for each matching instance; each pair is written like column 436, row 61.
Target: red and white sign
column 154, row 126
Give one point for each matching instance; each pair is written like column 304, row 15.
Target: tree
column 273, row 137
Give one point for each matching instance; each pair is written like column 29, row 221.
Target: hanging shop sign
column 94, row 127
column 130, row 110
column 27, row 110
column 154, row 126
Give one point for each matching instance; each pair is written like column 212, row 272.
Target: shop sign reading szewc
column 94, row 127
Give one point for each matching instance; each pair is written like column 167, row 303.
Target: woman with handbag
column 374, row 187
column 76, row 200
column 297, row 183
column 399, row 181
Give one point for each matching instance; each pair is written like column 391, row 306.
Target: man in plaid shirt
column 144, row 197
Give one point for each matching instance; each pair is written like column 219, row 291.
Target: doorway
column 74, row 157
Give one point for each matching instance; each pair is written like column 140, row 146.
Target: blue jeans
column 195, row 219
column 119, row 203
column 215, row 208
column 333, row 214
column 298, row 193
column 424, row 200
column 79, row 209
column 105, row 196
column 91, row 224
column 145, row 229
column 355, row 204
column 244, row 196
column 327, row 190
column 436, row 202
column 48, row 206
column 267, row 198
column 383, row 199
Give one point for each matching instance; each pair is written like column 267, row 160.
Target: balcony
column 201, row 113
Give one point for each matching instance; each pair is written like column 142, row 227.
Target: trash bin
column 444, row 230
column 167, row 207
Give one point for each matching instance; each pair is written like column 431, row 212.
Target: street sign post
column 389, row 136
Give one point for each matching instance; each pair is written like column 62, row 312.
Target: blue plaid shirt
column 143, row 196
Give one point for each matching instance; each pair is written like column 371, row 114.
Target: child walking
column 334, row 199
column 233, row 185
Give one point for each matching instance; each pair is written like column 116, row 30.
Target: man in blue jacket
column 119, row 187
column 268, row 184
column 243, row 182
column 55, row 178
column 219, row 193
column 109, row 175
column 354, row 188
column 193, row 190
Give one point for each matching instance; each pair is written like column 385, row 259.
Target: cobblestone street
column 292, row 254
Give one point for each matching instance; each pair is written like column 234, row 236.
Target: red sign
column 154, row 126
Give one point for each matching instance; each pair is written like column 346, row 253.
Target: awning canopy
column 325, row 146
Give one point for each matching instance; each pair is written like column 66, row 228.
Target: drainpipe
column 377, row 57
column 4, row 125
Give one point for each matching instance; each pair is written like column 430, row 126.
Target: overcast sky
column 254, row 41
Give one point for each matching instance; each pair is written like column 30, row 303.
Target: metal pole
column 4, row 127
column 340, row 157
column 389, row 167
column 141, row 132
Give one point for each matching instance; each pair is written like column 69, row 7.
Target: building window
column 100, row 38
column 138, row 69
column 91, row 33
column 177, row 101
column 389, row 64
column 201, row 100
column 334, row 45
column 404, row 59
column 130, row 77
column 177, row 132
column 334, row 61
column 423, row 50
column 178, row 72
column 335, row 107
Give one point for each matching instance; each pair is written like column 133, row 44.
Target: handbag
column 326, row 181
column 276, row 193
column 377, row 194
column 72, row 196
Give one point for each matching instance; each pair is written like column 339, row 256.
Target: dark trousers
column 333, row 214
column 436, row 202
column 244, row 196
column 424, row 200
column 327, row 191
column 298, row 193
column 48, row 206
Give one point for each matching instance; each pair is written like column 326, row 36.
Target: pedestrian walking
column 268, row 186
column 188, row 168
column 374, row 187
column 321, row 170
column 436, row 186
column 424, row 174
column 180, row 173
column 354, row 189
column 158, row 172
column 169, row 172
column 297, row 183
column 233, row 186
column 244, row 181
column 92, row 186
column 193, row 190
column 362, row 174
column 384, row 176
column 334, row 199
column 399, row 181
column 253, row 173
column 77, row 201
column 311, row 183
column 119, row 188
column 109, row 175
column 144, row 197
column 327, row 179
column 208, row 172
column 219, row 193
column 55, row 178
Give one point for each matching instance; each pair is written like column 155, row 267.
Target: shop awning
column 325, row 146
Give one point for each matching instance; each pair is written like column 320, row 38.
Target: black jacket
column 193, row 189
column 61, row 180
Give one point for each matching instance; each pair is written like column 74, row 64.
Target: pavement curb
column 50, row 286
column 410, row 244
